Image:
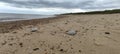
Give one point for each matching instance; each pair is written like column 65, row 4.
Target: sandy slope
column 97, row 34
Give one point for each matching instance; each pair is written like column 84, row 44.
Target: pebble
column 72, row 32
column 107, row 32
column 34, row 29
column 35, row 49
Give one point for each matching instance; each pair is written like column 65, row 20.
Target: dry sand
column 96, row 34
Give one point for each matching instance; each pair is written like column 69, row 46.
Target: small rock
column 27, row 34
column 14, row 32
column 5, row 42
column 10, row 44
column 66, row 23
column 21, row 44
column 53, row 33
column 98, row 43
column 72, row 32
column 107, row 32
column 61, row 50
column 80, row 51
column 35, row 49
column 52, row 48
column 34, row 29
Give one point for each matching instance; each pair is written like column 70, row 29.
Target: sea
column 16, row 17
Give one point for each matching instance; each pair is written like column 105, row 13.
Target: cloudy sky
column 55, row 6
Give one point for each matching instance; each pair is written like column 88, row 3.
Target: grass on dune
column 97, row 12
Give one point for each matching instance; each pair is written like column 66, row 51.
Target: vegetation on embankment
column 96, row 12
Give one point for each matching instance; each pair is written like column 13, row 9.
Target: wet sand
column 9, row 26
column 96, row 34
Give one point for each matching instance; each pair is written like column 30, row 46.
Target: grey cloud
column 82, row 4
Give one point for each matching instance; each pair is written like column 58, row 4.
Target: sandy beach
column 93, row 34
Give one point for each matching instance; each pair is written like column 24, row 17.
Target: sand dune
column 95, row 34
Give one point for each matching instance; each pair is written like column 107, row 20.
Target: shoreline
column 8, row 26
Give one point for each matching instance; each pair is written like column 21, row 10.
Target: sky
column 50, row 7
